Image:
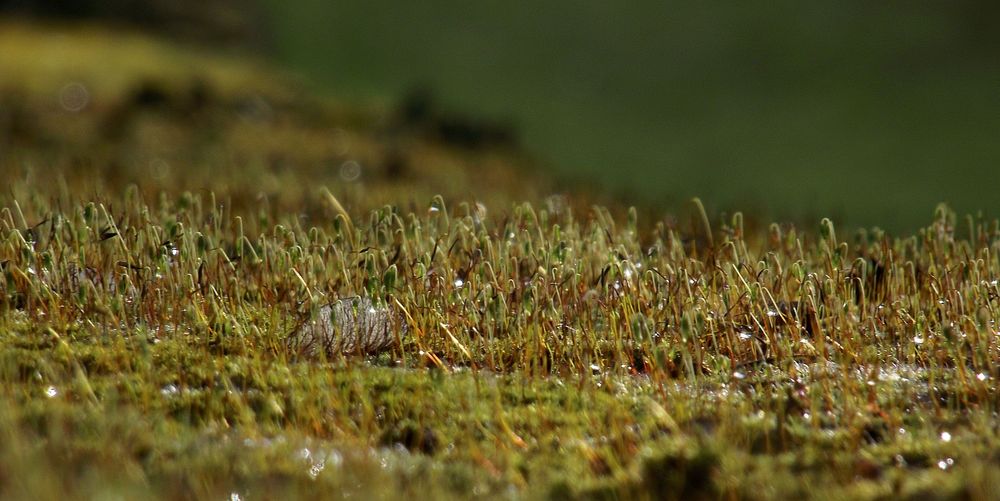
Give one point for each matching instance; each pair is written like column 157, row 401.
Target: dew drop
column 159, row 168
column 316, row 468
column 74, row 97
column 334, row 458
column 350, row 171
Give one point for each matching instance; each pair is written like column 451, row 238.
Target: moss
column 555, row 350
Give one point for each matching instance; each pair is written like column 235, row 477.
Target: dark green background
column 869, row 112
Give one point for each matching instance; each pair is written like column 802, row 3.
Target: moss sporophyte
column 215, row 284
column 518, row 352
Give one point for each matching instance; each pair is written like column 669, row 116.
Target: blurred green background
column 867, row 112
column 870, row 112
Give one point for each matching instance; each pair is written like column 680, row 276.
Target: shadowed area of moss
column 96, row 110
